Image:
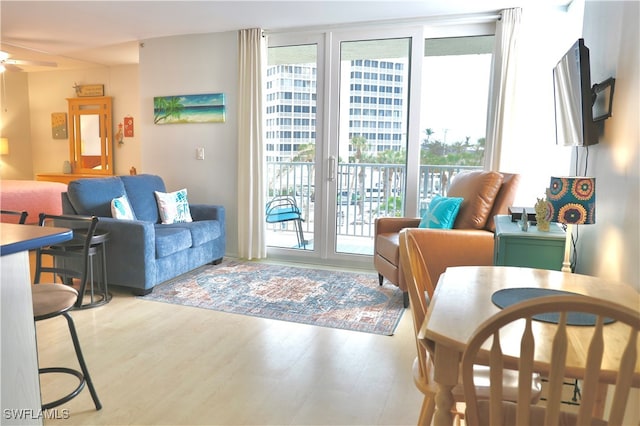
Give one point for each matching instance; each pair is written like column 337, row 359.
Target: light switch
column 199, row 153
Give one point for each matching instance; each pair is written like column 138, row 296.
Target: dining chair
column 421, row 291
column 19, row 217
column 57, row 299
column 529, row 315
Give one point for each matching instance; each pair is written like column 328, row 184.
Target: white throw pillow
column 173, row 207
column 121, row 209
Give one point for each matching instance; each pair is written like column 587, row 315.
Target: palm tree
column 389, row 158
column 429, row 131
column 164, row 108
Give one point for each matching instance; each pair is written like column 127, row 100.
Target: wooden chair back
column 418, row 284
column 495, row 412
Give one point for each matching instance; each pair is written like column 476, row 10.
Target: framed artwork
column 59, row 125
column 207, row 108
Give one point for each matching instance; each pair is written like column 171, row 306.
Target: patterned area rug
column 345, row 300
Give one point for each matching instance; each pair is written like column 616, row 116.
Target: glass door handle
column 332, row 168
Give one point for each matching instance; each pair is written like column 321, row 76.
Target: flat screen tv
column 574, row 98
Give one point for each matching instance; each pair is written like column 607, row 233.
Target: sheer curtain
column 251, row 165
column 500, row 117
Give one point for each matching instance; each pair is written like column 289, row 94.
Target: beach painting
column 207, row 108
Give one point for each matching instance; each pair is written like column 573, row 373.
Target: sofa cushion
column 441, row 213
column 170, row 240
column 388, row 246
column 202, row 231
column 92, row 196
column 140, row 190
column 479, row 189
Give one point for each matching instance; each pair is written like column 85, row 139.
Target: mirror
column 91, row 135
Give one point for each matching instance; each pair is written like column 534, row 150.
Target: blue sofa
column 142, row 253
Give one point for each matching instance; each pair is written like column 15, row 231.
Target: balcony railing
column 366, row 191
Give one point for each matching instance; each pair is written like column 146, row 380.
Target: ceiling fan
column 12, row 64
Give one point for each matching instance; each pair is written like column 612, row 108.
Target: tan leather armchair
column 470, row 242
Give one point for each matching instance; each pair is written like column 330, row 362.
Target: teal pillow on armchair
column 441, row 213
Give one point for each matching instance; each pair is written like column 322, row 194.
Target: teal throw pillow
column 441, row 213
column 121, row 209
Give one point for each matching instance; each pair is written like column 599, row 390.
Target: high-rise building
column 376, row 110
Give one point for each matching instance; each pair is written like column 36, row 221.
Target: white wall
column 14, row 125
column 185, row 65
column 48, row 93
column 611, row 247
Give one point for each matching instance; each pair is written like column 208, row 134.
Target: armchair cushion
column 441, row 213
column 479, row 190
column 504, row 199
column 387, row 246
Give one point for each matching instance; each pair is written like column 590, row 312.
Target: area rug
column 327, row 298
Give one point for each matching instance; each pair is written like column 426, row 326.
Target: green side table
column 531, row 248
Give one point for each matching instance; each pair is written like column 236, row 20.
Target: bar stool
column 52, row 300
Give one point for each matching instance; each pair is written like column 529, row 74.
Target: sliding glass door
column 367, row 124
column 369, row 150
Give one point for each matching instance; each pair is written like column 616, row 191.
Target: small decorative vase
column 542, row 215
column 66, row 167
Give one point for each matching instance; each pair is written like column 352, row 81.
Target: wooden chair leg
column 427, row 410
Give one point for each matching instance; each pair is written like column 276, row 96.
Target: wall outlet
column 199, row 153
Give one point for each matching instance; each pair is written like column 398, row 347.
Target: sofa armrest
column 207, row 212
column 443, row 248
column 385, row 225
column 131, row 243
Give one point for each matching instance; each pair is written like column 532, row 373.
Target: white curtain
column 251, row 163
column 501, row 114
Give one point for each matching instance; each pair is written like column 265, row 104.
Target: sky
column 455, row 96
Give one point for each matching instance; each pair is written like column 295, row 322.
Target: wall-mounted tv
column 574, row 98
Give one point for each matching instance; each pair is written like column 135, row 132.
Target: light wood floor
column 155, row 363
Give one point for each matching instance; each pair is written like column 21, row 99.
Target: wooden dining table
column 462, row 301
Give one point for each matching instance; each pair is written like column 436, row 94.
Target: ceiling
column 78, row 34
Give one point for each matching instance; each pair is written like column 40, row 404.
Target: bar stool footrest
column 70, row 395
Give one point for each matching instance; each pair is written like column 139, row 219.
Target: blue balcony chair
column 283, row 208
